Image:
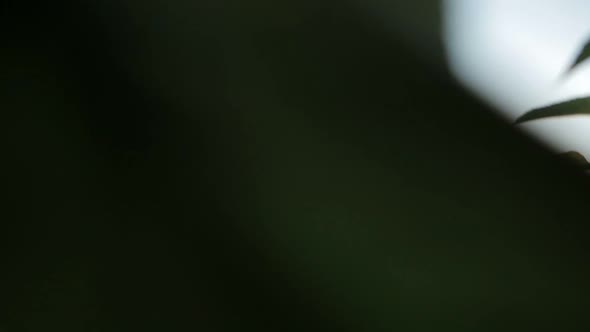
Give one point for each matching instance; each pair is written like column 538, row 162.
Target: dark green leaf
column 572, row 107
column 583, row 56
column 576, row 158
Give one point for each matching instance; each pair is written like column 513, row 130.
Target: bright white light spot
column 513, row 53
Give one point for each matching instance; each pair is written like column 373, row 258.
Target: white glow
column 513, row 53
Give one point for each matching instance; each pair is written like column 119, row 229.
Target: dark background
column 269, row 166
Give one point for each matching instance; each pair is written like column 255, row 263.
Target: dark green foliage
column 577, row 159
column 288, row 166
column 572, row 107
column 580, row 106
column 582, row 57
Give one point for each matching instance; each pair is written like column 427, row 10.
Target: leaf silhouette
column 582, row 56
column 579, row 106
column 577, row 159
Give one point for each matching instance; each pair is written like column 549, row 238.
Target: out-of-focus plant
column 579, row 106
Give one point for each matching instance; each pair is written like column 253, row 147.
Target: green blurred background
column 270, row 166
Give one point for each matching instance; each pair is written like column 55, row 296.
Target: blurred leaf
column 583, row 56
column 576, row 158
column 572, row 107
